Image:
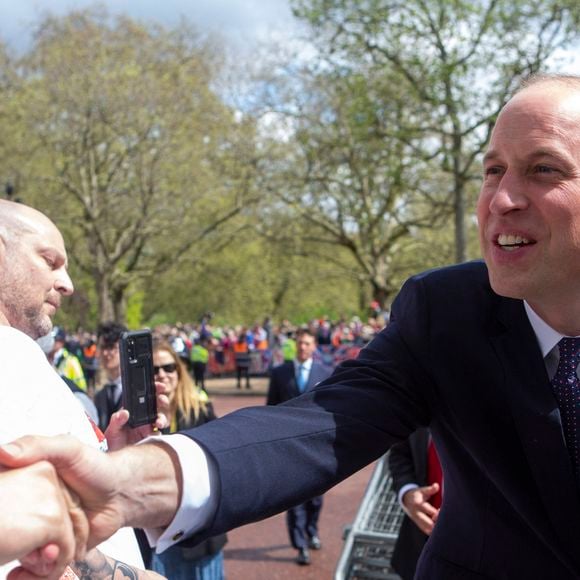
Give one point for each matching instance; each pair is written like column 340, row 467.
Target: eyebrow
column 560, row 155
column 55, row 254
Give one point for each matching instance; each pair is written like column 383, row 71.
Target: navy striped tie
column 567, row 391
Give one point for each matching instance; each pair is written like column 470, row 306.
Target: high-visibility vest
column 289, row 349
column 68, row 366
column 199, row 354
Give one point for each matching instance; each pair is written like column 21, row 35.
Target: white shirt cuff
column 198, row 503
column 407, row 487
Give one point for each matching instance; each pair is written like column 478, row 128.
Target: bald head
column 33, row 269
column 570, row 81
column 17, row 220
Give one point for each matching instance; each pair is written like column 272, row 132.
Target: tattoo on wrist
column 104, row 569
column 122, row 570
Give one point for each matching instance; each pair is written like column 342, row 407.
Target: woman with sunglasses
column 189, row 407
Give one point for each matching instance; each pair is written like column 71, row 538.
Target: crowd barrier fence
column 223, row 362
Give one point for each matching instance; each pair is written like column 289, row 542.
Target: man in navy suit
column 289, row 380
column 480, row 353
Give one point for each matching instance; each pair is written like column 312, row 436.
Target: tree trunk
column 119, row 305
column 381, row 295
column 106, row 310
column 459, row 214
column 363, row 295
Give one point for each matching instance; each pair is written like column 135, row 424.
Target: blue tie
column 567, row 391
column 302, row 378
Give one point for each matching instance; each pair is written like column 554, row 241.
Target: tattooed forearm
column 97, row 566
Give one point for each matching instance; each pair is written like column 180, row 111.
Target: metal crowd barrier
column 370, row 540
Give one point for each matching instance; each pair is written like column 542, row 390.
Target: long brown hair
column 187, row 397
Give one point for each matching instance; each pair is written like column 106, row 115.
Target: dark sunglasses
column 170, row 368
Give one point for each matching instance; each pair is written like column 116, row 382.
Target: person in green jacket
column 199, row 357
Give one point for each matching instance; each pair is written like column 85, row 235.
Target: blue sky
column 241, row 21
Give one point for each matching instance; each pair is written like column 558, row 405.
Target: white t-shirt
column 34, row 400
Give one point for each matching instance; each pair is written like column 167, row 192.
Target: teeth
column 511, row 240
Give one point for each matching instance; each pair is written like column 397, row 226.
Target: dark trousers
column 199, row 374
column 243, row 372
column 302, row 521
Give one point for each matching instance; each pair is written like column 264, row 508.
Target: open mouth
column 511, row 242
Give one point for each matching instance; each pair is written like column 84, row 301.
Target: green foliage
column 248, row 280
column 456, row 62
column 134, row 316
column 127, row 140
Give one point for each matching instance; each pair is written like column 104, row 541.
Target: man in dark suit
column 485, row 355
column 419, row 494
column 109, row 399
column 289, row 380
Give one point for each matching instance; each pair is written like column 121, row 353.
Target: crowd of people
column 215, row 350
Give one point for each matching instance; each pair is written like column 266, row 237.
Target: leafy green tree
column 352, row 193
column 131, row 151
column 457, row 61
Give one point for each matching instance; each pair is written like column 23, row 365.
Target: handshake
column 62, row 498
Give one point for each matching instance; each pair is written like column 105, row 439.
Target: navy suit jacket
column 462, row 361
column 283, row 385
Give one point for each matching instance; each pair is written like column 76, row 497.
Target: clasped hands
column 63, row 497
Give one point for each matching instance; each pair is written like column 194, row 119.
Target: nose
column 63, row 283
column 509, row 195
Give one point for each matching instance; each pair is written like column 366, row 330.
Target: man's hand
column 417, row 507
column 139, row 486
column 119, row 434
column 41, row 521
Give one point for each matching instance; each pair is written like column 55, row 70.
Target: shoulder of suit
column 475, row 270
column 450, row 285
column 283, row 367
column 100, row 394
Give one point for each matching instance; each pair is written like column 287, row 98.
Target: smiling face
column 33, row 265
column 529, row 205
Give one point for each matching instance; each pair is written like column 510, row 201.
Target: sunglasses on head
column 170, row 368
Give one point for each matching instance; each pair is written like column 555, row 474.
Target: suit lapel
column 537, row 419
column 312, row 380
column 292, row 383
column 314, row 376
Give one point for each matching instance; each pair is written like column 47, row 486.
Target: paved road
column 261, row 551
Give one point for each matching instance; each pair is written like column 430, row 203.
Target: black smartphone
column 137, row 376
